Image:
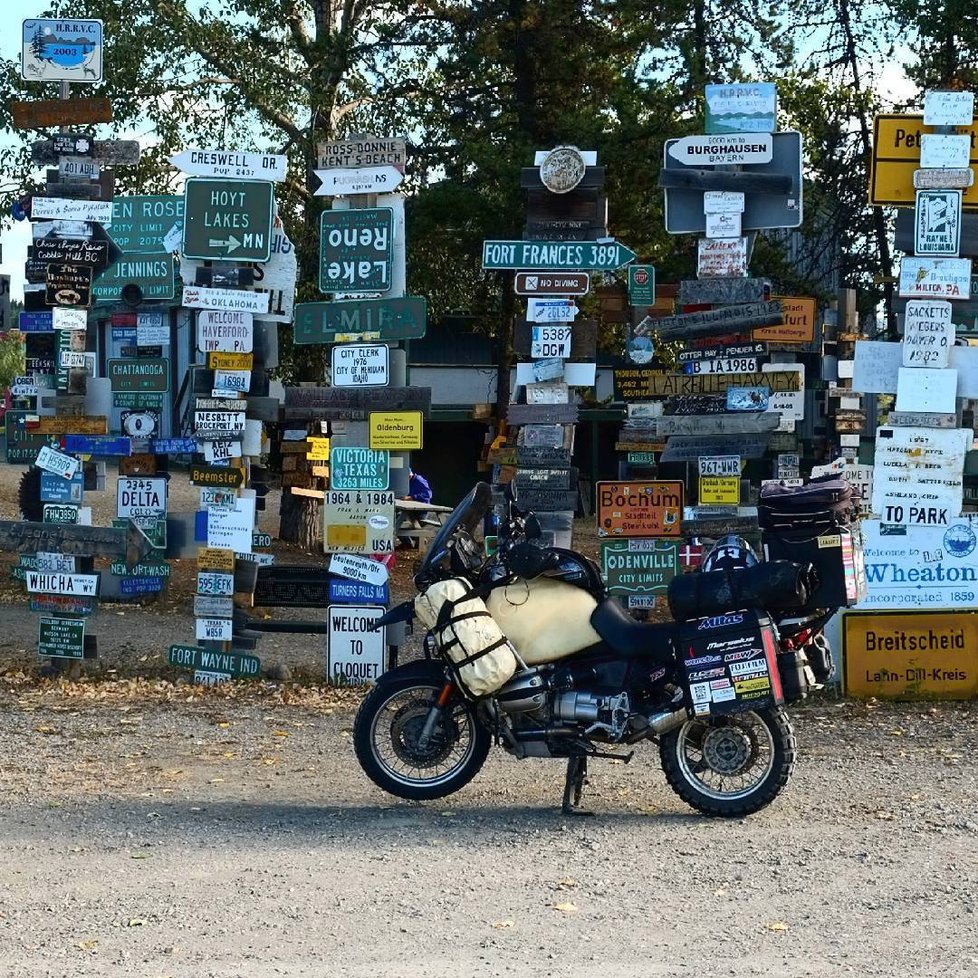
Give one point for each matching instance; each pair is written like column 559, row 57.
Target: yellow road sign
column 896, row 154
column 396, row 430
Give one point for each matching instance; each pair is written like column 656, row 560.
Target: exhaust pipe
column 666, row 721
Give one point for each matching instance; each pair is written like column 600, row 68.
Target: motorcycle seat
column 631, row 638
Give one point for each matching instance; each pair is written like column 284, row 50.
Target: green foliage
column 12, row 363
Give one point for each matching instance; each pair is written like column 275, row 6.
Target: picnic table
column 417, row 521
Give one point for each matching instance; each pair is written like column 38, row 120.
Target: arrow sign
column 555, row 255
column 363, row 180
column 80, row 541
column 722, row 149
column 232, row 165
column 231, row 243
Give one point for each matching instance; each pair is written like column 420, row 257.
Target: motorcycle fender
column 418, row 669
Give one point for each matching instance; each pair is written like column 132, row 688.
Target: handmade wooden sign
column 639, row 509
column 645, row 383
column 351, row 403
column 688, row 448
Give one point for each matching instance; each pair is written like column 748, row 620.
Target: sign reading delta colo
column 140, row 496
column 356, row 653
column 639, row 509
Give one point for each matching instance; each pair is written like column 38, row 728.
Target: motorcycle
column 590, row 680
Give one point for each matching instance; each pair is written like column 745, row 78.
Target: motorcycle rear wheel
column 730, row 766
column 386, row 738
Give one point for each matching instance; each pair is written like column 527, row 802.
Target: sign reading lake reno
column 722, row 149
column 924, row 567
column 130, row 374
column 638, row 566
column 229, row 219
column 555, row 255
column 639, row 509
column 233, row 164
column 356, row 250
column 917, row 478
column 645, row 382
column 225, row 330
column 359, row 468
column 403, row 318
column 911, row 654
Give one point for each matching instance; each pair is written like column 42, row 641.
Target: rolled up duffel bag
column 469, row 637
column 776, row 586
column 822, row 503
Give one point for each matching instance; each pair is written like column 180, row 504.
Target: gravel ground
column 154, row 830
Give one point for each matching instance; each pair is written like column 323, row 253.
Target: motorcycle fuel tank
column 545, row 619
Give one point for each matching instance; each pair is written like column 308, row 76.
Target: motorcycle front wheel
column 387, row 738
column 730, row 765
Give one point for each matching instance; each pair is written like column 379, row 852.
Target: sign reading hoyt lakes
column 228, row 219
column 639, row 509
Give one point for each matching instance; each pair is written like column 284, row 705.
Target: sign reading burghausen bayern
column 555, row 255
column 228, row 219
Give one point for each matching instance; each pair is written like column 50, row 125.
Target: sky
column 15, row 239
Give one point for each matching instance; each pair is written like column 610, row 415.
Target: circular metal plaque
column 562, row 169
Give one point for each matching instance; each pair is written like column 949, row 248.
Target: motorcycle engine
column 532, row 698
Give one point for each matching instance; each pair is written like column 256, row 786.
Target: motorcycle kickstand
column 574, row 783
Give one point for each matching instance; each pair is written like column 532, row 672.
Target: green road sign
column 383, row 319
column 229, row 663
column 128, row 374
column 228, row 220
column 641, row 285
column 639, row 566
column 61, row 638
column 358, row 468
column 156, row 276
column 356, row 250
column 555, row 255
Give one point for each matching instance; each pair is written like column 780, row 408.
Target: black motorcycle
column 589, row 681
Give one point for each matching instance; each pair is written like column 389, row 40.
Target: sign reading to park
column 555, row 255
column 228, row 219
column 639, row 509
column 356, row 249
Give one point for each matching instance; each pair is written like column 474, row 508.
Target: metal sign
column 741, row 107
column 277, row 277
column 216, row 476
column 937, row 222
column 639, row 566
column 67, row 209
column 551, row 341
column 137, row 497
column 641, row 285
column 356, row 250
column 721, row 149
column 51, row 460
column 77, row 585
column 935, row 278
column 145, row 374
column 358, row 569
column 396, row 431
column 342, row 182
column 771, row 204
column 140, row 224
column 232, row 164
column 61, row 638
column 719, row 490
column 228, row 219
column 68, row 50
column 798, row 321
column 402, row 318
column 555, row 255
column 359, row 468
column 227, row 331
column 356, row 653
column 68, row 285
column 362, row 151
column 639, row 509
column 553, row 283
column 358, row 521
column 360, row 366
column 230, row 664
column 357, row 592
column 98, row 445
column 236, row 300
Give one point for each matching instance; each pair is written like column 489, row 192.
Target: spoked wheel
column 730, row 766
column 388, row 736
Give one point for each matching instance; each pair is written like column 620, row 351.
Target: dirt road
column 152, row 830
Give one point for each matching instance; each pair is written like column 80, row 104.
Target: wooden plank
column 640, row 446
column 353, row 403
column 69, row 425
column 318, row 494
column 547, row 500
column 262, row 408
column 546, row 479
column 542, row 456
column 59, row 112
column 725, row 319
column 646, row 383
column 729, row 290
column 517, row 414
column 113, row 151
column 81, row 541
column 687, row 448
column 694, row 178
column 716, row 424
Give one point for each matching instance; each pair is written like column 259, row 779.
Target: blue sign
column 358, row 592
column 36, row 322
column 97, row 445
column 57, row 489
column 200, row 526
column 124, row 334
column 68, row 50
column 172, row 446
column 140, row 585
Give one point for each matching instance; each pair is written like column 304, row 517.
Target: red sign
column 639, row 509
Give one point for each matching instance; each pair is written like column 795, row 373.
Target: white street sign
column 356, row 654
column 935, row 278
column 57, row 462
column 928, row 333
column 78, row 168
column 941, row 152
column 140, row 496
column 229, row 423
column 230, row 299
column 551, row 310
column 363, row 365
column 927, row 389
column 723, row 224
column 61, row 209
column 231, row 164
column 225, row 332
column 82, row 585
column 151, row 330
column 949, row 108
column 221, row 451
column 277, row 277
column 732, row 148
column 365, row 180
column 232, row 529
column 358, row 568
column 64, row 317
column 937, row 227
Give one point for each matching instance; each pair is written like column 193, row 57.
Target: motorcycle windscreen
column 545, row 619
